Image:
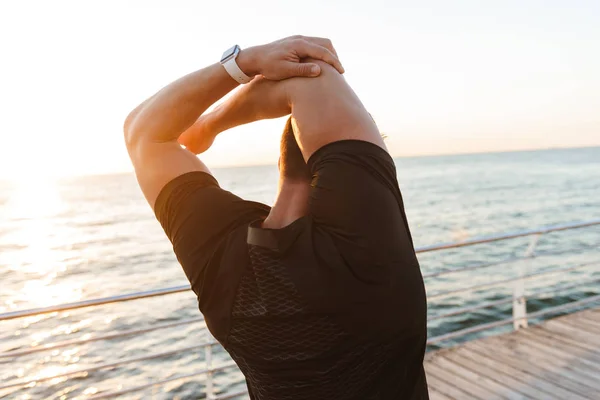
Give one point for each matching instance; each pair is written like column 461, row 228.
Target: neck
column 291, row 203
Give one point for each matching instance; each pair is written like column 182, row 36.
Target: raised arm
column 152, row 129
column 325, row 110
column 260, row 99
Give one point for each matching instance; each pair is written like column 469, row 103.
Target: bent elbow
column 129, row 131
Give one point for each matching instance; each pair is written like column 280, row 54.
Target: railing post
column 210, row 390
column 519, row 300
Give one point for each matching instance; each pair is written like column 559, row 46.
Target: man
column 320, row 296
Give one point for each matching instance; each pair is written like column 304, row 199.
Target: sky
column 439, row 77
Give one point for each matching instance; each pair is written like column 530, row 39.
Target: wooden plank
column 585, row 324
column 592, row 350
column 503, row 352
column 514, row 346
column 542, row 330
column 591, row 313
column 474, row 375
column 500, row 391
column 530, row 372
column 507, row 376
column 570, row 362
column 560, row 359
column 525, row 383
column 589, row 320
column 563, row 328
column 592, row 309
column 435, row 395
column 565, row 349
column 450, row 377
column 546, row 367
column 448, row 388
column 582, row 317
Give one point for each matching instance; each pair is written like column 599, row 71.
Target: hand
column 283, row 59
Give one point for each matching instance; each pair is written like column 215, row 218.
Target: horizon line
column 264, row 164
column 393, row 157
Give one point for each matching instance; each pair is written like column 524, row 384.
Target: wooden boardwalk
column 559, row 359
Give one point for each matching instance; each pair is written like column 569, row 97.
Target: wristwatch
column 228, row 62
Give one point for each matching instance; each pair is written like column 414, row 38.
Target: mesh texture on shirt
column 288, row 353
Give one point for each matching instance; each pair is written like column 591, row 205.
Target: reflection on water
column 64, row 329
column 32, row 208
column 32, row 205
column 43, row 292
column 35, row 238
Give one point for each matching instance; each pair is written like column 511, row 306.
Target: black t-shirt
column 330, row 307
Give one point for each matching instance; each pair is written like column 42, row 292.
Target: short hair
column 291, row 162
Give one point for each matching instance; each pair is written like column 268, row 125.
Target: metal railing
column 520, row 318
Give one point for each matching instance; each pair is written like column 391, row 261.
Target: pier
column 558, row 359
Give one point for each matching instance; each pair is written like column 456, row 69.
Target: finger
column 312, row 50
column 322, row 42
column 302, row 69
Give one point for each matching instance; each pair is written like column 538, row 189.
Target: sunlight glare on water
column 34, row 205
column 40, row 252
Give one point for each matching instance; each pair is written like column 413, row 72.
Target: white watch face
column 230, row 53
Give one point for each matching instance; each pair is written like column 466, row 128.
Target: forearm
column 176, row 107
column 261, row 99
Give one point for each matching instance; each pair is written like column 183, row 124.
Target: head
column 291, row 202
column 292, row 167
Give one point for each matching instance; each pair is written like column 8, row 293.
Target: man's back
column 331, row 306
column 329, row 302
column 288, row 350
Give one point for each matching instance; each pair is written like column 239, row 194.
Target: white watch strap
column 236, row 73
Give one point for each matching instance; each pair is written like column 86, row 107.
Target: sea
column 89, row 237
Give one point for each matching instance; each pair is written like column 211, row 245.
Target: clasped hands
column 267, row 63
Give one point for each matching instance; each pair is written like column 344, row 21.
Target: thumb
column 305, row 69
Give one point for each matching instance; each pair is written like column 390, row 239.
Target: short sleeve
column 355, row 198
column 197, row 216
